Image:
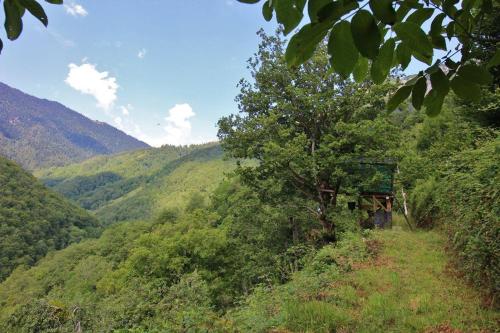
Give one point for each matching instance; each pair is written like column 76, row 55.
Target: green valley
column 345, row 194
column 140, row 184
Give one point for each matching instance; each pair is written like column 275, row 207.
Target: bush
column 465, row 202
column 423, row 207
column 470, row 201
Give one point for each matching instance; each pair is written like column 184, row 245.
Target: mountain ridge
column 38, row 133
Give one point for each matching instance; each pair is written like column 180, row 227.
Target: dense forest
column 271, row 244
column 34, row 220
column 139, row 185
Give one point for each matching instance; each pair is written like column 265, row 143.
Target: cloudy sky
column 163, row 71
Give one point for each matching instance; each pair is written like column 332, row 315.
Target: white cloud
column 88, row 80
column 125, row 109
column 142, row 53
column 176, row 130
column 75, row 9
column 178, row 126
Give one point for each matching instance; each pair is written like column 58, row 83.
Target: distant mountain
column 41, row 133
column 35, row 220
column 141, row 184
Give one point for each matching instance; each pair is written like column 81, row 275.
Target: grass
column 408, row 286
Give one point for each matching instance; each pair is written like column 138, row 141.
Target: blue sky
column 163, row 71
column 161, row 54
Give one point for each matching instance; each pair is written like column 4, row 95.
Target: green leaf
column 465, row 89
column 495, row 60
column 244, row 1
column 402, row 11
column 438, row 42
column 433, row 103
column 314, row 7
column 366, row 34
column 451, row 64
column 401, row 94
column 335, row 10
column 13, row 23
column 381, row 66
column 449, row 7
column 360, row 70
column 344, row 54
column 300, row 4
column 439, row 82
column 437, row 25
column 475, row 74
column 267, row 11
column 450, row 29
column 415, row 38
column 302, row 45
column 420, row 16
column 435, row 98
column 1, row 45
column 60, row 2
column 403, row 54
column 418, row 93
column 287, row 14
column 36, row 10
column 384, row 11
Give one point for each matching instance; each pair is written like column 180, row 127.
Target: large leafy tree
column 307, row 130
column 376, row 35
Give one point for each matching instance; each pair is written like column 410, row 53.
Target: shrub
column 423, row 206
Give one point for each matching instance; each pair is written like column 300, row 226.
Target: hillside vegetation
column 34, row 220
column 390, row 281
column 39, row 133
column 267, row 243
column 141, row 184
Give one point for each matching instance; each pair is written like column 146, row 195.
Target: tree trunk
column 328, row 229
column 295, row 230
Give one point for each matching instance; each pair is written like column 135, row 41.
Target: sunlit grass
column 408, row 287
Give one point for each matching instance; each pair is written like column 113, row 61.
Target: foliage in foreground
column 379, row 35
column 34, row 220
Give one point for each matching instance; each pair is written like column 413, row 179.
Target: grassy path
column 409, row 288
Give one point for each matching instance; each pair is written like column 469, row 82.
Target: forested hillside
column 39, row 133
column 141, row 184
column 34, row 220
column 274, row 247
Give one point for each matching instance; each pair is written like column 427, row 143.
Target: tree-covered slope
column 40, row 133
column 34, row 220
column 140, row 184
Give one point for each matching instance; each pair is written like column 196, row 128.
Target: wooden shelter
column 377, row 198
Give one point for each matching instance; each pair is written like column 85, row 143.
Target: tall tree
column 307, row 129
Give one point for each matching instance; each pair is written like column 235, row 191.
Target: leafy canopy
column 384, row 34
column 306, row 129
